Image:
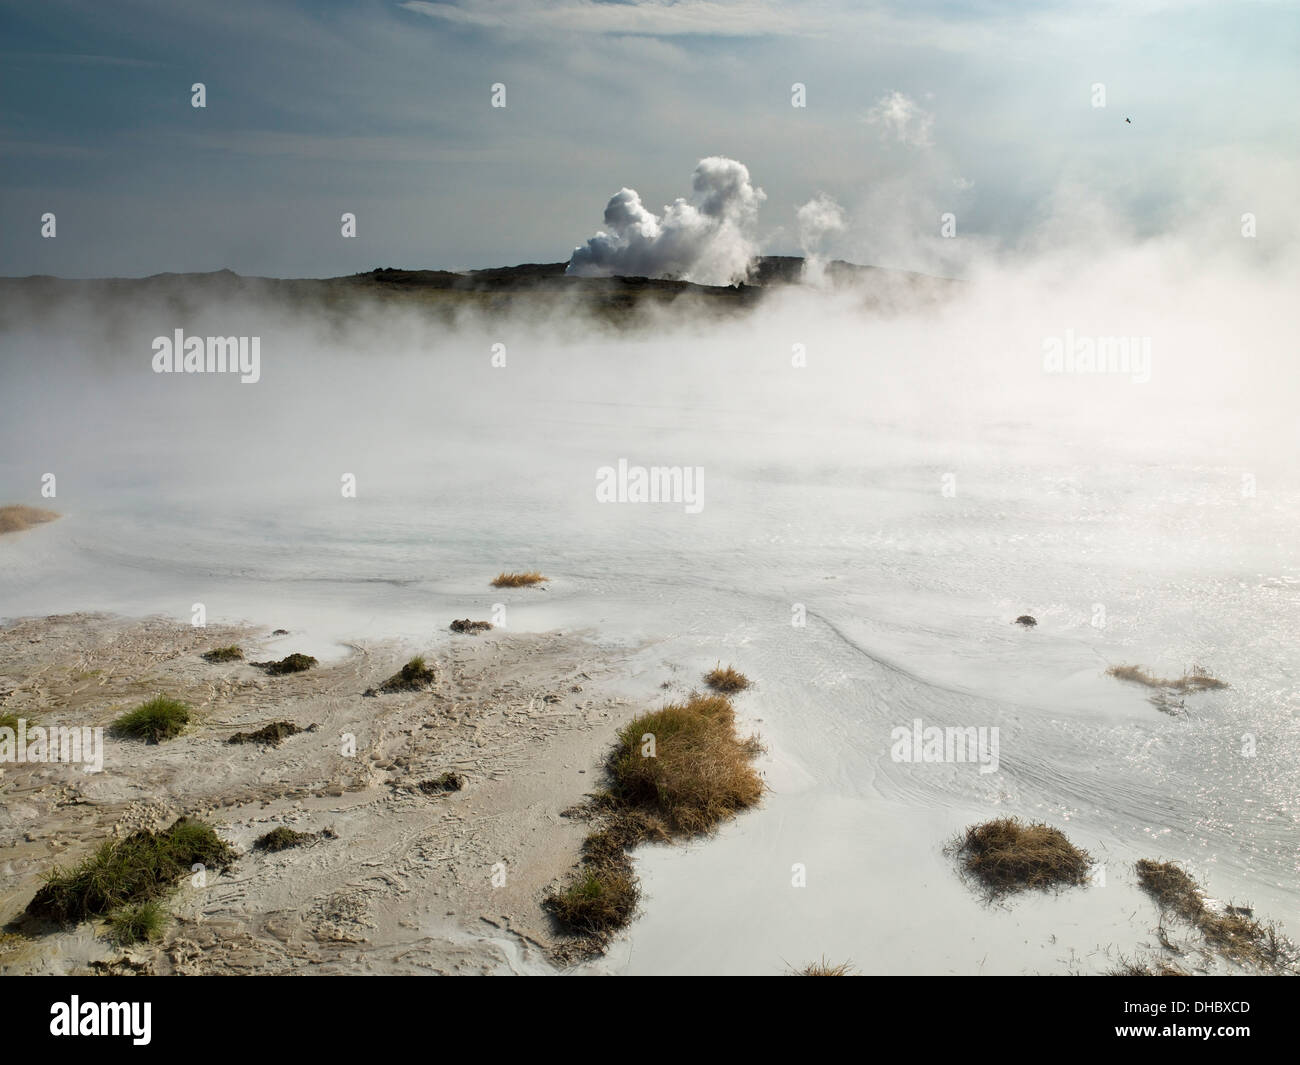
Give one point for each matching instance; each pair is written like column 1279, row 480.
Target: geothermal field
column 879, row 560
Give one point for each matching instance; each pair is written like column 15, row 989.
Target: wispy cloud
column 655, row 18
column 902, row 118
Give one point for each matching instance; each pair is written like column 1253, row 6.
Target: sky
column 983, row 110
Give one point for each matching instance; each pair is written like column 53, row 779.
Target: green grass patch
column 143, row 867
column 601, row 899
column 137, row 923
column 159, row 719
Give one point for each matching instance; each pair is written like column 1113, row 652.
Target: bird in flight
column 1129, row 121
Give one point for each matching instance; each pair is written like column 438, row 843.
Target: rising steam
column 707, row 239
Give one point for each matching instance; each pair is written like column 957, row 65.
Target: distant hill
column 529, row 287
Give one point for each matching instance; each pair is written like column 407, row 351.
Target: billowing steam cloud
column 818, row 217
column 707, row 239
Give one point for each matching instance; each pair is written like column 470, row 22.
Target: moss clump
column 470, row 628
column 294, row 663
column 11, row 721
column 136, row 923
column 273, row 734
column 413, row 676
column 1008, row 855
column 448, row 781
column 224, row 654
column 159, row 719
column 726, row 680
column 282, row 838
column 518, row 580
column 143, row 867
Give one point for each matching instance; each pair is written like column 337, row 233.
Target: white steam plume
column 707, row 239
column 818, row 217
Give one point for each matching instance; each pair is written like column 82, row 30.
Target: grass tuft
column 1008, row 855
column 136, row 923
column 727, row 680
column 16, row 517
column 1196, row 679
column 686, row 764
column 677, row 771
column 518, row 580
column 157, row 720
column 1232, row 933
column 825, row 968
column 143, row 867
column 413, row 676
column 601, row 899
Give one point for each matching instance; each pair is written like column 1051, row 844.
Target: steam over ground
column 1102, row 428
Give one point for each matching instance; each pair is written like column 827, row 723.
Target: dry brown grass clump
column 676, row 771
column 518, row 580
column 1139, row 968
column 1008, row 855
column 1233, row 933
column 825, row 968
column 727, row 680
column 1196, row 679
column 686, row 764
column 16, row 517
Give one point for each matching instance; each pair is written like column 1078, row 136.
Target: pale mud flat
column 405, row 885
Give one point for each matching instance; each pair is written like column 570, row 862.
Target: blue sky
column 384, row 109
